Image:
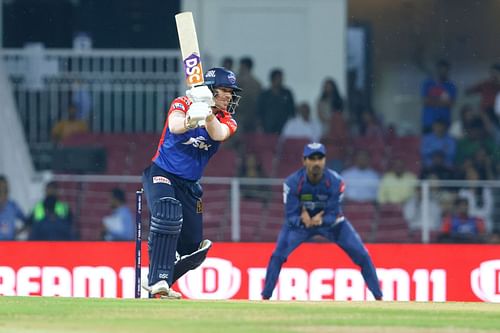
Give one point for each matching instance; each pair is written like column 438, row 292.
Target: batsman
column 196, row 125
column 312, row 197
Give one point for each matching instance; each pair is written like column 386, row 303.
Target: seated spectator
column 460, row 126
column 412, row 211
column 302, row 126
column 438, row 140
column 460, row 227
column 119, row 226
column 484, row 165
column 362, row 181
column 68, row 127
column 480, row 199
column 51, row 218
column 474, row 139
column 438, row 167
column 397, row 185
column 11, row 216
column 371, row 126
column 251, row 167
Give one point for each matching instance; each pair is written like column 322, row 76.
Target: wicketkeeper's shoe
column 161, row 290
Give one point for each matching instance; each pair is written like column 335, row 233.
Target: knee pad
column 166, row 216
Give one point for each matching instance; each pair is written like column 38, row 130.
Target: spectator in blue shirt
column 438, row 140
column 118, row 226
column 439, row 95
column 10, row 213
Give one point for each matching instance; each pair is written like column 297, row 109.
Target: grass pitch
column 78, row 315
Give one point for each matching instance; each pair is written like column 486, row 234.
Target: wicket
column 138, row 239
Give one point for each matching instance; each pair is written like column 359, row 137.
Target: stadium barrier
column 408, row 272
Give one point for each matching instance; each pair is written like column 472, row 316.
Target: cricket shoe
column 161, row 290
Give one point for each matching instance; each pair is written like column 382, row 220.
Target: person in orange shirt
column 67, row 127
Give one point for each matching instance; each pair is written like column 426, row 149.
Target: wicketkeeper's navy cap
column 314, row 148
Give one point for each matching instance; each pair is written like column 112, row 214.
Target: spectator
column 438, row 167
column 473, row 140
column 119, row 226
column 275, row 105
column 302, row 126
column 227, row 63
column 251, row 89
column 82, row 100
column 460, row 126
column 362, row 182
column 10, row 214
column 488, row 90
column 51, row 218
column 329, row 102
column 251, row 167
column 460, row 227
column 68, row 127
column 397, row 185
column 412, row 211
column 438, row 140
column 439, row 95
column 370, row 126
column 480, row 199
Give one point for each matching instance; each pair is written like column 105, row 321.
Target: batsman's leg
column 348, row 239
column 166, row 223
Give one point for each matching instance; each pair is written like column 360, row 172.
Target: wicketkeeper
column 196, row 125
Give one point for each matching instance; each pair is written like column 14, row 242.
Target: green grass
column 53, row 314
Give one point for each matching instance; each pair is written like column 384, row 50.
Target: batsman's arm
column 216, row 130
column 177, row 122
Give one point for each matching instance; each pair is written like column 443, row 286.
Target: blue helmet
column 221, row 77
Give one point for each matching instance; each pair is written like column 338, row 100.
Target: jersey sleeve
column 332, row 210
column 226, row 119
column 292, row 203
column 179, row 104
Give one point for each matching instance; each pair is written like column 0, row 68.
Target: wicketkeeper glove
column 201, row 94
column 197, row 113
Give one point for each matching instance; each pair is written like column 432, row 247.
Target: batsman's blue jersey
column 327, row 195
column 186, row 155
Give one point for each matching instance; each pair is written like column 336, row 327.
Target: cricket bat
column 189, row 49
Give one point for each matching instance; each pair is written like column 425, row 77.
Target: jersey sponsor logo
column 198, row 142
column 161, row 180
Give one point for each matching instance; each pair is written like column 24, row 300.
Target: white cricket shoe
column 162, row 290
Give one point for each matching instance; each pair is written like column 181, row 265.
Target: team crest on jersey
column 198, row 142
column 161, row 180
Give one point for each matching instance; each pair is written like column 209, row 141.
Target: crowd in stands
column 380, row 168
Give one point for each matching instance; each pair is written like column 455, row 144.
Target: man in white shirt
column 362, row 182
column 302, row 125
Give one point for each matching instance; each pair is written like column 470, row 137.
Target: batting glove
column 201, row 94
column 197, row 113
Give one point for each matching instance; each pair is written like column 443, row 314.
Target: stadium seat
column 391, row 226
column 362, row 216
